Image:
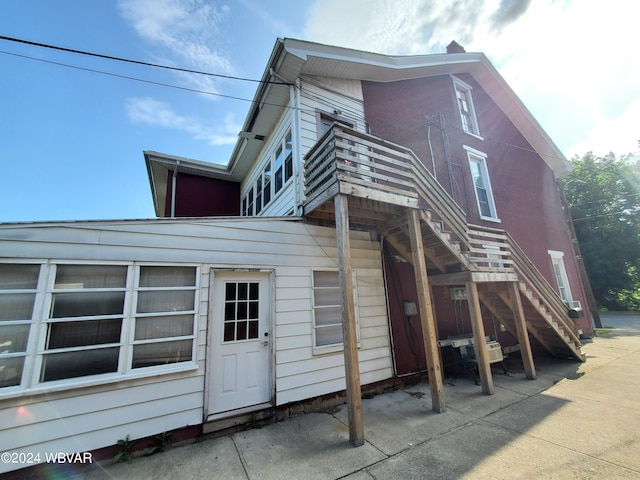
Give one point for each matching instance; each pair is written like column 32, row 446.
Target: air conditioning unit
column 574, row 309
column 494, row 349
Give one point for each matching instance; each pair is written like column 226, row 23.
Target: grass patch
column 601, row 332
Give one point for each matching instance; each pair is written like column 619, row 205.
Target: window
column 95, row 319
column 274, row 175
column 18, row 290
column 266, row 192
column 481, row 184
column 327, row 308
column 465, row 107
column 241, row 311
column 278, row 166
column 560, row 274
column 494, row 256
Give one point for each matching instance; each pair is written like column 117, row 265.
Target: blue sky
column 71, row 140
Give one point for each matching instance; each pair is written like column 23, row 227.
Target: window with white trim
column 107, row 319
column 465, row 107
column 327, row 308
column 560, row 274
column 272, row 178
column 18, row 293
column 481, row 184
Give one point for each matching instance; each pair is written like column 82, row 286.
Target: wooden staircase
column 383, row 179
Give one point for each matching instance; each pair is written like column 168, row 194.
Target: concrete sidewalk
column 574, row 421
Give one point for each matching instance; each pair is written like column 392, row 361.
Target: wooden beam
column 521, row 330
column 480, row 345
column 447, row 279
column 426, row 313
column 349, row 333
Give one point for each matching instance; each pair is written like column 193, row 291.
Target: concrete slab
column 484, row 451
column 399, row 420
column 575, row 421
column 465, row 397
column 312, row 446
column 586, row 426
column 217, row 457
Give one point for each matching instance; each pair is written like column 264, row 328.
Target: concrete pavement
column 574, row 421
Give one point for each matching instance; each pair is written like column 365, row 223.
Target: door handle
column 265, row 343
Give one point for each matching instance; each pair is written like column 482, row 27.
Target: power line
column 152, row 82
column 137, row 62
column 126, row 77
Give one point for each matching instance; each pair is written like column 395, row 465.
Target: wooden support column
column 425, row 308
column 521, row 331
column 480, row 344
column 349, row 333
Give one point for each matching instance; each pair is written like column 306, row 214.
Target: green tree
column 603, row 194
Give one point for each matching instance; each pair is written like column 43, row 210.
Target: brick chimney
column 455, row 47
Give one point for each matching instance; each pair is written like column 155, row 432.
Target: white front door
column 240, row 361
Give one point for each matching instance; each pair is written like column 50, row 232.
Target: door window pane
column 241, row 311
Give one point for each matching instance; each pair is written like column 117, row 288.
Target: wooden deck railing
column 493, row 248
column 489, row 250
column 527, row 270
column 348, row 161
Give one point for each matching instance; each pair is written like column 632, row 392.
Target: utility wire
column 137, row 62
column 126, row 77
column 161, row 84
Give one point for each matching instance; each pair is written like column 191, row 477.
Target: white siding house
column 90, row 411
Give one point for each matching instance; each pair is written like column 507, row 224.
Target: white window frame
column 253, row 201
column 468, row 119
column 560, row 275
column 480, row 159
column 333, row 347
column 36, row 348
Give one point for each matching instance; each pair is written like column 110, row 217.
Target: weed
column 124, row 454
column 164, row 441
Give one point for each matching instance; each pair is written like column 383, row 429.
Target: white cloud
column 183, row 33
column 155, row 113
column 621, row 132
column 573, row 63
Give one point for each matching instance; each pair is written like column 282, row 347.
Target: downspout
column 174, row 182
column 433, row 160
column 298, row 171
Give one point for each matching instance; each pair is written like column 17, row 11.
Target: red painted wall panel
column 198, row 196
column 526, row 198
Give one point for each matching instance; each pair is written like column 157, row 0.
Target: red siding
column 527, row 201
column 198, row 196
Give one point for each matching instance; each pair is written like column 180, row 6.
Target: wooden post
column 349, row 333
column 425, row 309
column 521, row 331
column 480, row 344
